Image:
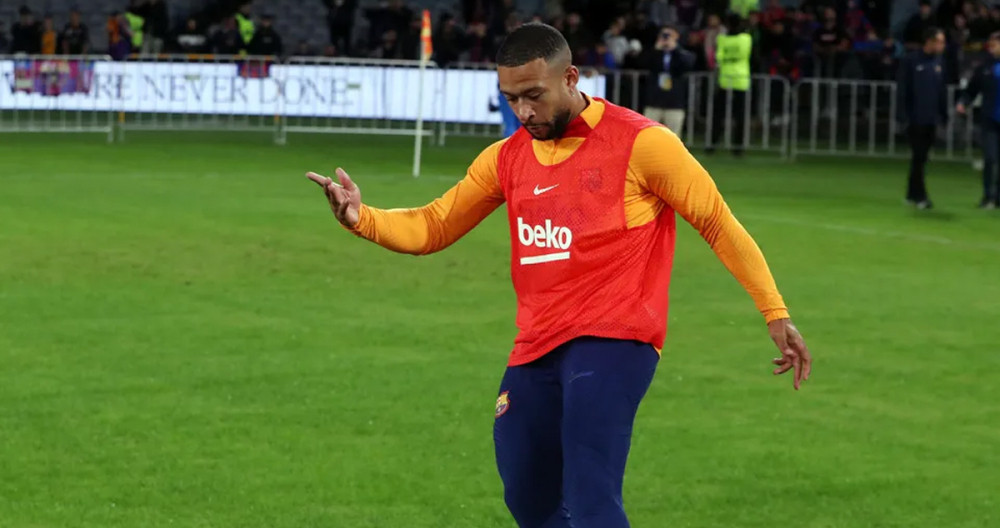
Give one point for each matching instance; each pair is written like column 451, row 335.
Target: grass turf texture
column 188, row 339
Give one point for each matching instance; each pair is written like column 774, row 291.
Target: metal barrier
column 54, row 94
column 369, row 96
column 757, row 120
column 859, row 118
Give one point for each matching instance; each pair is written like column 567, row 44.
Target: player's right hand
column 344, row 198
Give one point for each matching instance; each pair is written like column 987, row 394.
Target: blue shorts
column 563, row 430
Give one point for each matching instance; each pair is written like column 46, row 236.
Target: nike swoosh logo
column 575, row 377
column 545, row 190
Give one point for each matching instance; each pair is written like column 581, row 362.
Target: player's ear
column 572, row 76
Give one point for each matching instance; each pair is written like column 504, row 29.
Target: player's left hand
column 794, row 353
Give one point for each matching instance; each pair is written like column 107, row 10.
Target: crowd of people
column 813, row 39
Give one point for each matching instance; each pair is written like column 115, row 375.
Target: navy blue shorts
column 563, row 429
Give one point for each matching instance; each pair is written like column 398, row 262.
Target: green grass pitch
column 188, row 339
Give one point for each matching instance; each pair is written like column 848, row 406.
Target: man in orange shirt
column 591, row 190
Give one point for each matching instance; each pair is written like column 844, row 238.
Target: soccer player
column 591, row 190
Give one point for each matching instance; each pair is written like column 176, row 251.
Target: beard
column 552, row 129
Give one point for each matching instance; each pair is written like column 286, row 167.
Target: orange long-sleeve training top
column 661, row 173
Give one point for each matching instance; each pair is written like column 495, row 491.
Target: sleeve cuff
column 776, row 314
column 364, row 219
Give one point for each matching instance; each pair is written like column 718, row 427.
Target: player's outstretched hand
column 794, row 353
column 344, row 198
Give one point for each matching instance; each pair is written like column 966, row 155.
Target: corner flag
column 426, row 49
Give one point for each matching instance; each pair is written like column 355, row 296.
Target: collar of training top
column 582, row 124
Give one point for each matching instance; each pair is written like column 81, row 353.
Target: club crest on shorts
column 503, row 403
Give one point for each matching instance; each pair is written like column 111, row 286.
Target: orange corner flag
column 425, row 36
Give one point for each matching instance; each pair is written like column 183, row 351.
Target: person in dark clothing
column 666, row 87
column 922, row 106
column 4, row 43
column 227, row 40
column 75, row 37
column 266, row 40
column 191, row 39
column 918, row 25
column 155, row 28
column 26, row 34
column 340, row 21
column 986, row 81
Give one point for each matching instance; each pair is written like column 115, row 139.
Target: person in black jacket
column 666, row 87
column 266, row 40
column 26, row 34
column 986, row 81
column 922, row 107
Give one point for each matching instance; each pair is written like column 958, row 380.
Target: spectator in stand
column 773, row 13
column 830, row 43
column 340, row 22
column 26, row 33
column 666, row 88
column 227, row 39
column 75, row 37
column 157, row 21
column 389, row 47
column 50, row 38
column 662, row 13
column 688, row 13
column 393, row 15
column 642, row 29
column 946, row 11
column 616, row 41
column 191, row 39
column 957, row 36
column 599, row 56
column 266, row 41
column 709, row 39
column 980, row 26
column 918, row 26
column 479, row 43
column 856, row 23
column 753, row 28
column 448, row 40
column 777, row 52
column 119, row 36
column 4, row 43
column 409, row 43
column 578, row 36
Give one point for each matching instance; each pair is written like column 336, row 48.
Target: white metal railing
column 54, row 94
column 368, row 96
column 859, row 118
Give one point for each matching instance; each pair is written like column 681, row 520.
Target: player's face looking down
column 541, row 93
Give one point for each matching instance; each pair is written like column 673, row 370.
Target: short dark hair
column 995, row 35
column 529, row 42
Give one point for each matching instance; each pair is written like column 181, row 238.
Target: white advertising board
column 334, row 91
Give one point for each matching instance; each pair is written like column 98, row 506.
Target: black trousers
column 921, row 141
column 737, row 117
